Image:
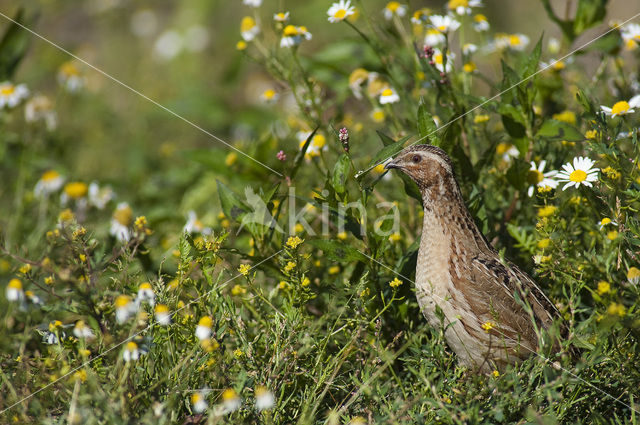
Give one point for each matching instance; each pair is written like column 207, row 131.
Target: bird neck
column 446, row 215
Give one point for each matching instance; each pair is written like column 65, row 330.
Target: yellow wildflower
column 395, row 283
column 547, row 211
column 487, row 326
column 290, row 266
column 616, row 309
column 603, row 287
column 244, row 269
column 293, row 242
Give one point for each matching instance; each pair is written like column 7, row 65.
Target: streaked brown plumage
column 459, row 271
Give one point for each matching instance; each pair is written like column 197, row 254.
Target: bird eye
column 416, row 159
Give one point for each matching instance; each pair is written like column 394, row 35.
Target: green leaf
column 531, row 65
column 513, row 120
column 427, row 128
column 340, row 173
column 338, row 251
column 388, row 151
column 386, row 140
column 589, row 14
column 559, row 130
column 517, row 173
column 231, row 203
column 13, row 46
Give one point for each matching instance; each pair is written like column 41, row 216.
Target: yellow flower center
column 578, row 176
column 290, row 30
column 605, row 221
column 438, row 58
column 145, row 285
column 122, row 301
column 378, row 115
column 269, row 94
column 229, row 394
column 387, row 92
column 469, row 67
column 247, row 24
column 75, row 190
column 454, row 4
column 534, row 176
column 319, row 140
column 206, row 321
column 502, row 148
column 162, row 308
column 514, row 40
column 7, row 90
column 393, row 6
column 69, row 69
column 620, row 108
column 480, row 18
column 340, row 14
column 241, row 45
column 124, row 215
column 15, row 284
column 633, row 273
column 442, row 28
column 132, row 346
column 50, row 175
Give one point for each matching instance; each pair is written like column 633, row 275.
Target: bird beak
column 391, row 164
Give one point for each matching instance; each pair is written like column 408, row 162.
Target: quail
column 493, row 311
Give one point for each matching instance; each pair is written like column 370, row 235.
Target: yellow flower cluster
column 395, row 283
column 244, row 269
column 293, row 242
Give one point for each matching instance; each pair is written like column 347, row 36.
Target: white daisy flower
column 394, row 8
column 281, row 17
column 389, row 95
column 630, row 34
column 131, row 352
column 14, row 291
column 444, row 23
column 578, row 173
column 518, row 42
column 463, row 7
column 507, row 151
column 51, row 181
column 537, row 177
column 199, row 402
column 40, row 108
column 606, row 222
column 11, row 95
column 70, row 78
column 269, row 96
column 622, row 107
column 420, row 16
column 553, row 46
column 438, row 59
column 356, row 79
column 293, row 36
column 248, row 28
column 121, row 222
column 145, row 293
column 82, row 331
column 469, row 49
column 194, row 225
column 318, row 144
column 125, row 308
column 252, row 3
column 163, row 316
column 480, row 23
column 33, row 298
column 264, row 398
column 340, row 11
column 99, row 197
column 231, row 401
column 434, row 37
column 203, row 330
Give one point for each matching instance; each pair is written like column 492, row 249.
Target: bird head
column 427, row 165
